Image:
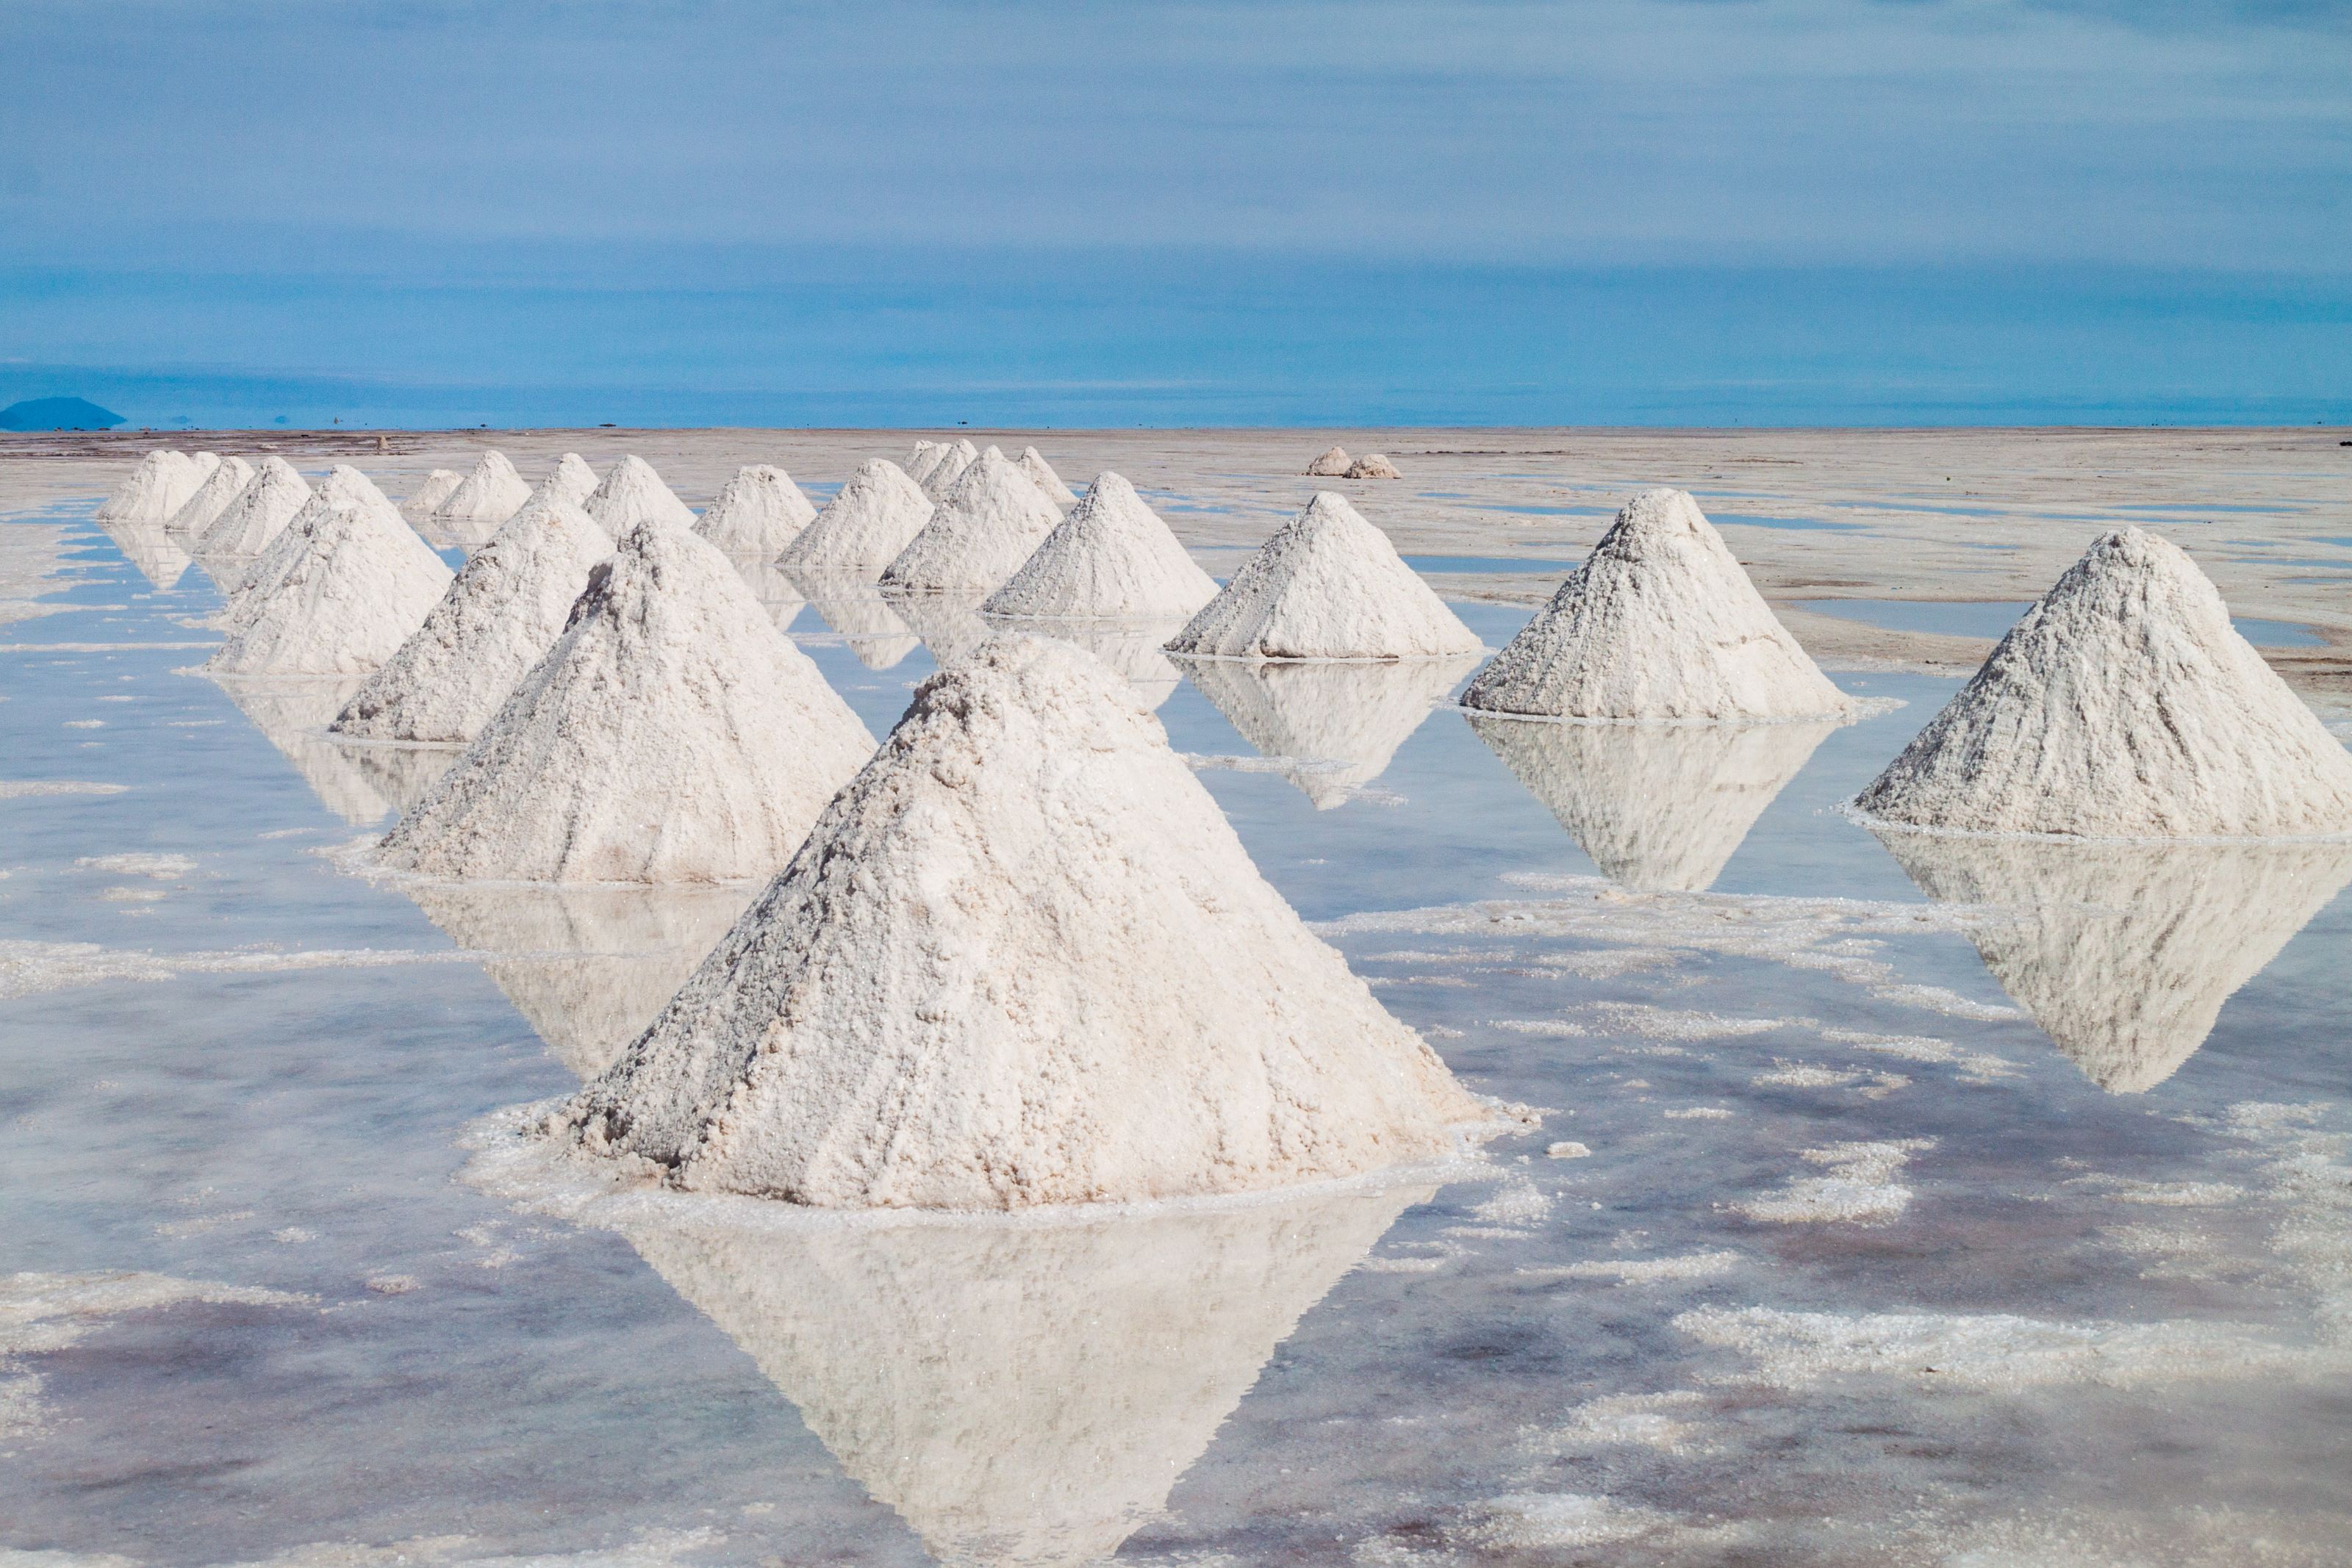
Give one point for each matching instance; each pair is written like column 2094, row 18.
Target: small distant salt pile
column 2123, row 705
column 1111, row 557
column 672, row 734
column 570, row 480
column 631, row 493
column 160, row 486
column 258, row 513
column 505, row 610
column 427, row 499
column 925, row 459
column 1335, row 723
column 990, row 523
column 1372, row 466
column 1023, row 959
column 868, row 521
column 488, row 495
column 1327, row 585
column 212, row 497
column 1660, row 622
column 1332, row 464
column 943, row 475
column 1040, row 474
column 758, row 513
column 355, row 594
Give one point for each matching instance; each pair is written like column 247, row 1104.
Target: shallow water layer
column 1900, row 1202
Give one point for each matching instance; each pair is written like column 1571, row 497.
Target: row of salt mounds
column 437, row 487
column 946, row 466
column 757, row 513
column 491, row 494
column 506, row 608
column 1033, row 463
column 631, row 493
column 257, row 514
column 672, row 734
column 1660, row 622
column 1111, row 557
column 159, row 486
column 862, row 529
column 201, row 510
column 1327, row 585
column 1023, row 959
column 358, row 588
column 343, row 485
column 990, row 523
column 2124, row 704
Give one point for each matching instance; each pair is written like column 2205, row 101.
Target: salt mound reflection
column 1351, row 717
column 1660, row 808
column 1132, row 648
column 1020, row 1395
column 854, row 607
column 947, row 620
column 361, row 784
column 148, row 546
column 2125, row 951
column 778, row 594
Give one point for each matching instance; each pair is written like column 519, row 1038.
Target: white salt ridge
column 499, row 618
column 342, row 486
column 1111, row 557
column 631, row 493
column 491, row 494
column 979, row 986
column 862, row 529
column 349, row 601
column 427, row 499
column 2124, row 704
column 1033, row 463
column 988, row 526
column 757, row 513
column 159, row 486
column 258, row 513
column 672, row 734
column 1660, row 622
column 939, row 480
column 1327, row 585
column 1333, row 463
column 211, row 499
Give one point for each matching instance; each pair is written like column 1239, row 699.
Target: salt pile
column 1337, row 725
column 2124, row 704
column 926, row 457
column 499, row 618
column 1111, row 557
column 1033, row 463
column 570, row 480
column 758, row 513
column 944, row 473
column 980, row 534
column 427, row 499
column 1332, row 464
column 491, row 494
column 1022, row 959
column 258, row 513
column 1372, row 466
column 1660, row 622
column 670, row 735
column 349, row 602
column 160, row 486
column 203, row 508
column 868, row 521
column 631, row 493
column 343, row 486
column 1327, row 585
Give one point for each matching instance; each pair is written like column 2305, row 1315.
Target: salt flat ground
column 1944, row 1203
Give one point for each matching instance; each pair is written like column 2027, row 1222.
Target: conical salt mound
column 343, row 486
column 1033, row 463
column 926, row 457
column 159, row 486
column 1659, row 808
column 980, row 534
column 2123, row 705
column 1337, row 725
column 941, row 479
column 1327, row 585
column 570, row 480
column 258, row 513
column 631, row 493
column 427, row 499
column 362, row 586
column 877, row 635
column 758, row 513
column 488, row 495
column 2123, row 953
column 1660, row 622
column 1333, row 463
column 671, row 734
column 1373, row 465
column 506, row 608
column 1112, row 556
column 212, row 497
column 862, row 529
column 1022, row 959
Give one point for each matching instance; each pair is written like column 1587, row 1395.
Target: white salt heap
column 1033, row 463
column 672, row 734
column 1332, row 464
column 1023, row 959
column 1660, row 622
column 925, row 459
column 631, row 493
column 1372, row 466
column 427, row 499
column 941, row 477
column 868, row 521
column 1327, row 585
column 505, row 610
column 491, row 494
column 358, row 590
column 1111, row 557
column 343, row 486
column 758, row 513
column 2124, row 704
column 159, row 486
column 258, row 513
column 980, row 534
column 203, row 508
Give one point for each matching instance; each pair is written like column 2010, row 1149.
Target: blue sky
column 1626, row 211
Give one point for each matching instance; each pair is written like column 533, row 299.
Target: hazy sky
column 1646, row 210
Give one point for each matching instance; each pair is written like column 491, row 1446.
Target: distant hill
column 58, row 414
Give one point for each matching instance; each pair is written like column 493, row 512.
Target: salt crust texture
column 258, row 513
column 1660, row 622
column 2124, row 704
column 1333, row 463
column 946, row 469
column 159, row 486
column 1372, row 466
column 672, row 734
column 506, row 608
column 347, row 604
column 1033, row 463
column 343, row 485
column 990, row 523
column 758, row 512
column 631, row 493
column 211, row 499
column 427, row 499
column 491, row 494
column 1327, row 585
column 1111, row 557
column 979, row 986
column 862, row 529
column 1659, row 808
column 1339, row 723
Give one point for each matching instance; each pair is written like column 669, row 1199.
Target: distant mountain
column 58, row 414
